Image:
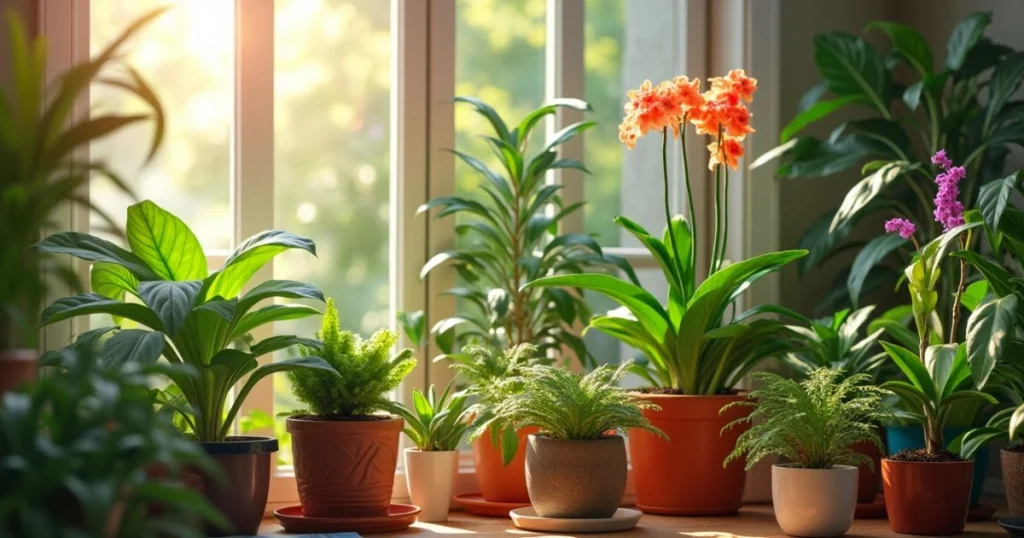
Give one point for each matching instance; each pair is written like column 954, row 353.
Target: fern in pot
column 345, row 450
column 813, row 424
column 576, row 462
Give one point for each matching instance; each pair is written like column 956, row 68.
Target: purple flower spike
column 949, row 211
column 941, row 159
column 901, row 226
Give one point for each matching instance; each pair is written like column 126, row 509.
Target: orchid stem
column 668, row 210
column 689, row 196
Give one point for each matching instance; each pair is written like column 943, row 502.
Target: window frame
column 422, row 125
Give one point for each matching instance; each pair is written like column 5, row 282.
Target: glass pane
column 187, row 56
column 331, row 134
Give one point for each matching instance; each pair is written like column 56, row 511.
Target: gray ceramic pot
column 575, row 479
column 1013, row 480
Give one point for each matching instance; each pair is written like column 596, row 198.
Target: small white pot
column 814, row 503
column 430, row 477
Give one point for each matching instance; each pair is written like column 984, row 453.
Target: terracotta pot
column 16, row 367
column 242, row 494
column 430, row 477
column 927, row 498
column 498, row 482
column 576, row 479
column 1013, row 480
column 814, row 502
column 899, row 438
column 345, row 468
column 868, row 479
column 684, row 475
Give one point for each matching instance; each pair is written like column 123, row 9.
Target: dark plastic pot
column 242, row 494
column 16, row 367
column 903, row 437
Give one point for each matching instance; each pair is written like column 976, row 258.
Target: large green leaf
column 250, row 257
column 966, row 34
column 866, row 190
column 487, row 112
column 908, row 43
column 912, row 368
column 528, row 123
column 851, row 67
column 871, row 255
column 134, row 345
column 112, row 280
column 987, row 329
column 289, row 289
column 683, row 254
column 172, row 301
column 271, row 313
column 1005, row 80
column 659, row 251
column 165, row 243
column 282, row 341
column 816, row 112
column 993, row 197
column 91, row 248
column 91, row 303
column 947, row 367
column 998, row 278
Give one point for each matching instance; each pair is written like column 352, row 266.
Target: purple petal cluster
column 949, row 211
column 901, row 226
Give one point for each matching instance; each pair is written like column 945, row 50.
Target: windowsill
column 752, row 521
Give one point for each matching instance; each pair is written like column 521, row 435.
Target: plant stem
column 713, row 264
column 668, row 210
column 955, row 315
column 725, row 217
column 689, row 197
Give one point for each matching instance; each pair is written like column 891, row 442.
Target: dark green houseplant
column 916, row 105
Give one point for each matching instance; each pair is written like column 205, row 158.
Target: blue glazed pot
column 903, row 437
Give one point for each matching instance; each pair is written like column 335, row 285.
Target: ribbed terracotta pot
column 499, row 482
column 869, row 479
column 1013, row 480
column 927, row 498
column 814, row 502
column 345, row 468
column 242, row 495
column 575, row 479
column 16, row 367
column 684, row 475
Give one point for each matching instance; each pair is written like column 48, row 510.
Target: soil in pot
column 499, row 482
column 430, row 477
column 575, row 479
column 925, row 493
column 1012, row 459
column 814, row 502
column 684, row 475
column 242, row 494
column 344, row 466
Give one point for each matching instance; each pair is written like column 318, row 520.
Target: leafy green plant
column 691, row 345
column 567, row 405
column 812, row 423
column 366, row 371
column 39, row 141
column 963, row 105
column 194, row 318
column 492, row 375
column 85, row 453
column 836, row 342
column 436, row 423
column 509, row 236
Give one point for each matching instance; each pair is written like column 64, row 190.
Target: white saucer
column 527, row 519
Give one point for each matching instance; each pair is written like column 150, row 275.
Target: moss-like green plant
column 436, row 423
column 492, row 375
column 367, row 371
column 814, row 422
column 569, row 406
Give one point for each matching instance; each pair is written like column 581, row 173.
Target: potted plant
column 345, row 452
column 506, row 237
column 1007, row 424
column 837, row 342
column 491, row 377
column 576, row 462
column 80, row 446
column 201, row 320
column 813, row 424
column 435, row 425
column 697, row 352
column 43, row 170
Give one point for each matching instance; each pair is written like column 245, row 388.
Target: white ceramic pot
column 430, row 477
column 814, row 503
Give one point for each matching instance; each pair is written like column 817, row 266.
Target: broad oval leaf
column 171, row 301
column 283, row 341
column 133, row 345
column 94, row 249
column 92, row 303
column 908, row 43
column 288, row 289
column 993, row 197
column 998, row 278
column 851, row 67
column 913, row 368
column 816, row 112
column 271, row 313
column 947, row 367
column 165, row 243
column 250, row 257
column 1005, row 80
column 966, row 34
column 866, row 190
column 987, row 329
column 112, row 280
column 871, row 255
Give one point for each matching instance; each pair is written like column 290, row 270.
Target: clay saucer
column 474, row 503
column 982, row 512
column 527, row 519
column 399, row 517
column 872, row 510
column 1013, row 525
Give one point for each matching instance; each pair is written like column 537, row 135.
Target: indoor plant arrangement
column 1006, row 424
column 813, row 424
column 345, row 453
column 576, row 462
column 198, row 319
column 696, row 353
column 508, row 236
column 492, row 376
column 80, row 448
column 435, row 425
column 941, row 107
column 40, row 139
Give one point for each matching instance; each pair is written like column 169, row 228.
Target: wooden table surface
column 752, row 521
